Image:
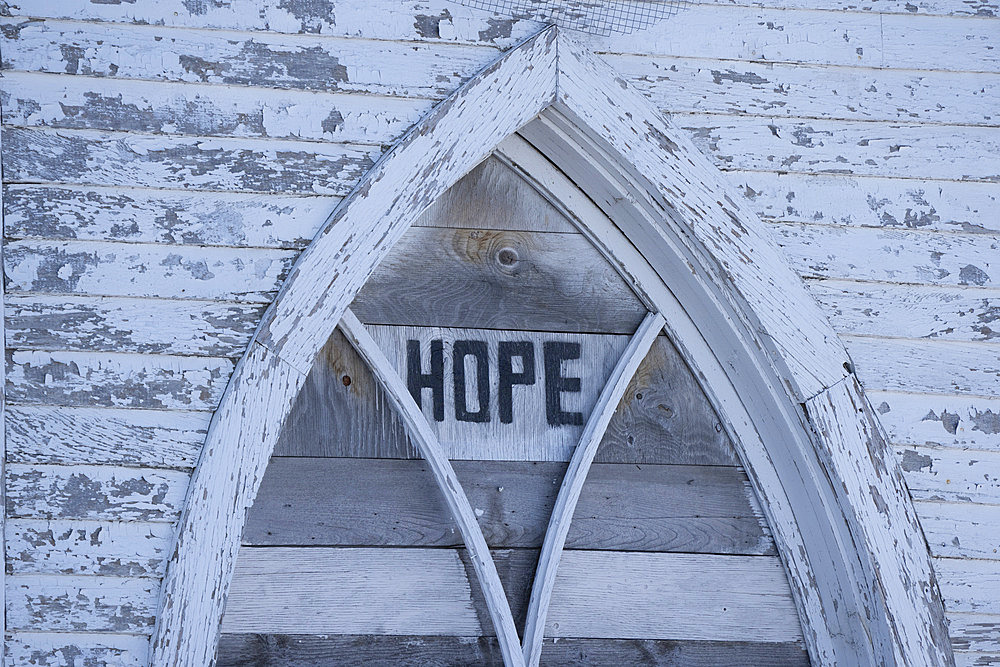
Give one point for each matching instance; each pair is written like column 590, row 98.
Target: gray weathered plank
column 366, row 502
column 498, row 280
column 105, row 436
column 890, row 255
column 818, row 146
column 897, row 203
column 910, row 311
column 939, row 420
column 155, row 270
column 116, row 380
column 423, row 20
column 413, row 651
column 49, row 649
column 94, row 492
column 944, row 367
column 960, row 529
column 68, row 603
column 598, row 594
column 159, row 216
column 665, row 418
column 124, row 324
column 33, row 155
column 781, row 90
column 108, row 548
column 969, row 585
column 205, row 110
column 955, row 475
column 277, row 61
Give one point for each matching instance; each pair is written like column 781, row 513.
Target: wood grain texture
column 301, row 650
column 953, row 475
column 277, row 61
column 203, row 110
column 897, row 256
column 162, row 216
column 975, row 632
column 896, row 203
column 366, row 502
column 61, row 603
column 599, row 594
column 125, row 324
column 108, row 436
column 107, row 548
column 427, row 21
column 939, row 420
column 910, row 311
column 969, row 586
column 94, row 492
column 887, row 364
column 771, row 90
column 76, row 157
column 817, row 146
column 109, row 379
column 57, row 649
column 961, row 529
column 476, row 282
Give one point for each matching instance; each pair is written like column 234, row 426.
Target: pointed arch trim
column 857, row 560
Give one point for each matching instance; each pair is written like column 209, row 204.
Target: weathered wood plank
column 116, row 380
column 780, row 90
column 969, row 586
column 911, row 150
column 910, row 311
column 424, row 20
column 664, row 419
column 966, row 659
column 898, row 256
column 975, row 632
column 154, row 270
column 121, row 324
column 69, row 603
column 260, row 59
column 94, row 492
column 348, row 502
column 158, row 216
column 598, row 593
column 938, row 420
column 872, row 202
column 204, row 110
column 925, row 366
column 413, row 651
column 498, row 280
column 830, row 38
column 129, row 549
column 960, row 530
column 955, row 475
column 67, row 648
column 105, row 436
column 144, row 160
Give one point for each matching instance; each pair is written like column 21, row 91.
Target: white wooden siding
column 856, row 122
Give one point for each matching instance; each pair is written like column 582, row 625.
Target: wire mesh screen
column 593, row 16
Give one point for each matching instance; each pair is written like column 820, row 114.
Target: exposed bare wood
column 953, row 475
column 939, row 420
column 975, row 632
column 458, row 503
column 383, row 502
column 94, row 492
column 50, row 649
column 67, row 603
column 111, row 379
column 573, row 482
column 108, row 548
column 108, row 436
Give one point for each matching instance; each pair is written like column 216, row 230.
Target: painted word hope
column 515, row 367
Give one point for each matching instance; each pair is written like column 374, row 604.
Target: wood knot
column 346, row 380
column 507, row 257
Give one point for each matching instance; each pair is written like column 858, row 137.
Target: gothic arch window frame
column 774, row 369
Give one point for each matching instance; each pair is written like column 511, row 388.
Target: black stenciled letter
column 477, row 349
column 555, row 383
column 416, row 379
column 506, row 352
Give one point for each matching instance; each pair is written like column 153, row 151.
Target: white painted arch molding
column 856, row 557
